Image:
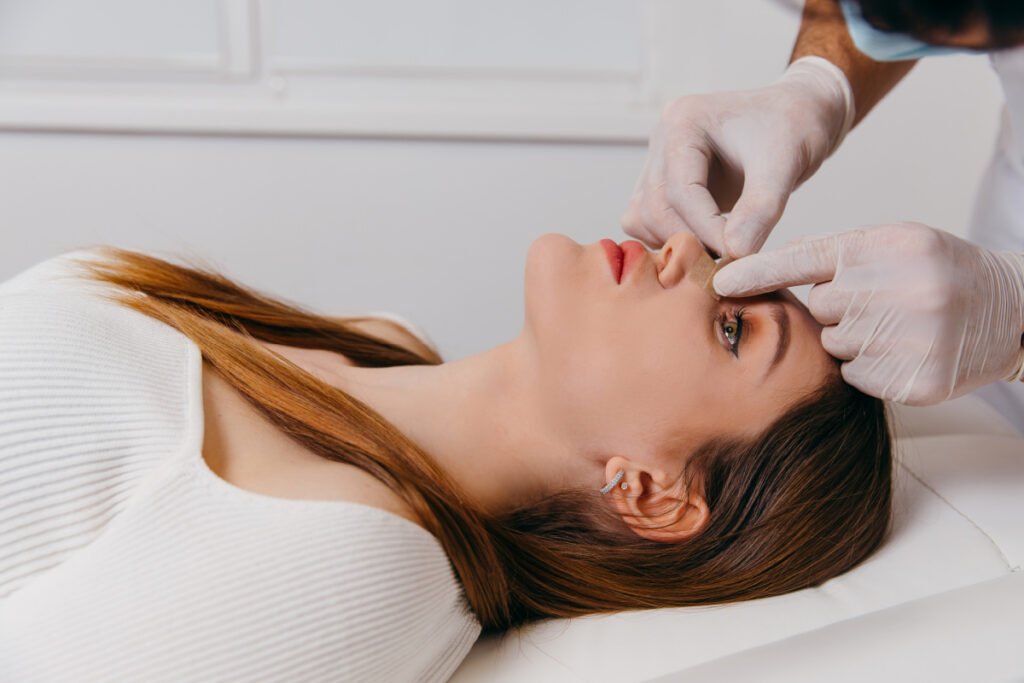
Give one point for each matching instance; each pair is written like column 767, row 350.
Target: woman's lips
column 616, row 257
column 632, row 252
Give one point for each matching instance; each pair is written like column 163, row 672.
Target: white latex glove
column 918, row 315
column 745, row 151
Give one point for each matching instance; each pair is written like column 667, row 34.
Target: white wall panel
column 109, row 34
column 539, row 69
column 576, row 36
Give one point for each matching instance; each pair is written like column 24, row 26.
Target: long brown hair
column 803, row 502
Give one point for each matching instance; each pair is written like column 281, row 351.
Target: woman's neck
column 480, row 420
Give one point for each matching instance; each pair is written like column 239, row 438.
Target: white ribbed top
column 123, row 557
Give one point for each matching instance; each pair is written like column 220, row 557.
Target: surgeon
column 917, row 315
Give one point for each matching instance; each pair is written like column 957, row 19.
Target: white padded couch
column 942, row 600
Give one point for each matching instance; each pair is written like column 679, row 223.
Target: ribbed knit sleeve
column 123, row 557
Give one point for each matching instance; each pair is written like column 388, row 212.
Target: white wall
column 360, row 174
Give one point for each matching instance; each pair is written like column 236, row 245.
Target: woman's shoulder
column 63, row 272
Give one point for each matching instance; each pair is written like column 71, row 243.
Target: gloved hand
column 745, row 151
column 918, row 315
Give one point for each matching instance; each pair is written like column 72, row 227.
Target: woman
column 312, row 498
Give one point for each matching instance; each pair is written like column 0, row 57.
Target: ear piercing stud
column 615, row 481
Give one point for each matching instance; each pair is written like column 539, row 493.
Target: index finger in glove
column 649, row 220
column 686, row 175
column 803, row 263
column 757, row 211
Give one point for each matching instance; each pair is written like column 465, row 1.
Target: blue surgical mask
column 883, row 46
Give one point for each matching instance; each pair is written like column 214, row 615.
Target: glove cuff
column 825, row 73
column 1016, row 263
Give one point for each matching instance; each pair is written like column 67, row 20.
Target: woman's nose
column 677, row 256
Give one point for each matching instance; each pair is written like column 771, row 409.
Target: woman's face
column 653, row 365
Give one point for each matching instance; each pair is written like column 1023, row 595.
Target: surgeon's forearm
column 823, row 34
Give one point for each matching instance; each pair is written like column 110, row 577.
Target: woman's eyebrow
column 777, row 312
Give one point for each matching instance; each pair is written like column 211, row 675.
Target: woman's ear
column 657, row 506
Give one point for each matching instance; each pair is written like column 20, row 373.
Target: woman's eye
column 732, row 330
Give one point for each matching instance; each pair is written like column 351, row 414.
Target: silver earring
column 615, row 480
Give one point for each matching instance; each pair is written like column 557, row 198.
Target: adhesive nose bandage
column 703, row 273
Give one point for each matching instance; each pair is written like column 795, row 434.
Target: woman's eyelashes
column 730, row 327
